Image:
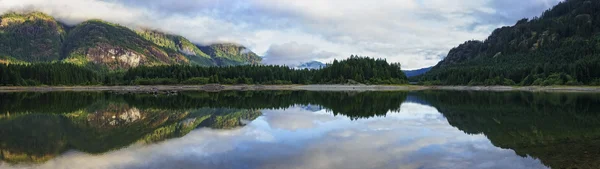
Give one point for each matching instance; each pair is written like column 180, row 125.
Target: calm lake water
column 300, row 129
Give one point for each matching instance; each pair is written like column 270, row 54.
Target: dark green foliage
column 361, row 69
column 55, row 74
column 357, row 69
column 561, row 47
column 247, row 74
column 32, row 37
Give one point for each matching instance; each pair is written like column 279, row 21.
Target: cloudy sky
column 416, row 33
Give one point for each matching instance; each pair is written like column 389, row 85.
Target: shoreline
column 216, row 87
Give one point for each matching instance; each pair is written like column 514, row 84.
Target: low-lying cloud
column 293, row 54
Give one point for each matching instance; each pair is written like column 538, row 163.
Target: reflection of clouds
column 417, row 137
column 295, row 118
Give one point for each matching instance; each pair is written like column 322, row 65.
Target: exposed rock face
column 115, row 57
column 186, row 50
column 114, row 117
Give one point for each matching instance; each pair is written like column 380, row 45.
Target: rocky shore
column 217, row 87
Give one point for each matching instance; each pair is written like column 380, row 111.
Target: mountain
column 311, row 65
column 117, row 47
column 36, row 37
column 231, row 54
column 561, row 47
column 180, row 44
column 412, row 73
column 32, row 37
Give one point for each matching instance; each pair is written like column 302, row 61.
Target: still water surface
column 300, row 129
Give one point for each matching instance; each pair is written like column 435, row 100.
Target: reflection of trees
column 352, row 104
column 562, row 130
column 35, row 127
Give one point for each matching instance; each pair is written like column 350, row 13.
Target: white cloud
column 416, row 33
column 293, row 54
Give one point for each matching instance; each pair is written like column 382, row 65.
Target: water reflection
column 562, row 130
column 298, row 129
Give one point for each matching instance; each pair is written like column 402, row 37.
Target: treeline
column 561, row 47
column 54, row 74
column 355, row 105
column 353, row 70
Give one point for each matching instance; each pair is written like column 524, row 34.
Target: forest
column 560, row 47
column 354, row 70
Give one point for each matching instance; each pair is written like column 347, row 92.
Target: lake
column 300, row 129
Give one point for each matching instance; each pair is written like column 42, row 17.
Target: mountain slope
column 32, row 37
column 36, row 37
column 412, row 73
column 180, row 44
column 117, row 47
column 228, row 54
column 560, row 47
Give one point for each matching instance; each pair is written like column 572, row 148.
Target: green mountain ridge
column 32, row 37
column 36, row 37
column 561, row 47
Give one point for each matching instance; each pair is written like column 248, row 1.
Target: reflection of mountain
column 36, row 127
column 562, row 130
column 37, row 136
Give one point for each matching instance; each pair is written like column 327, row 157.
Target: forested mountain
column 417, row 72
column 561, row 47
column 32, row 37
column 231, row 54
column 36, row 37
column 178, row 43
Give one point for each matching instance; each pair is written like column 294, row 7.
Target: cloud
column 293, row 54
column 296, row 118
column 412, row 32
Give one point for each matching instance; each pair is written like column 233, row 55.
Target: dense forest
column 353, row 70
column 561, row 47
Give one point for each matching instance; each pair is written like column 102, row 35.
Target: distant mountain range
column 412, row 73
column 36, row 37
column 311, row 65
